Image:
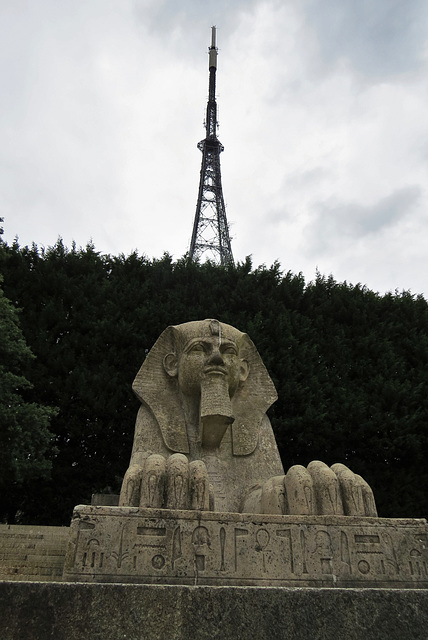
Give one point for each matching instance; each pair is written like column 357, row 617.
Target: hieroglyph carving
column 185, row 547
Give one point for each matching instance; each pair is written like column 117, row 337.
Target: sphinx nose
column 216, row 358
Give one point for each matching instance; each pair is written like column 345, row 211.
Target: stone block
column 65, row 611
column 160, row 546
column 32, row 552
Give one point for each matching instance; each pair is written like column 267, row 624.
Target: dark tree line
column 350, row 367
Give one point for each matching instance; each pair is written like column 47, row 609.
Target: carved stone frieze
column 164, row 546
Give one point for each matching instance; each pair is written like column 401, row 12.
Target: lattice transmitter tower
column 210, row 228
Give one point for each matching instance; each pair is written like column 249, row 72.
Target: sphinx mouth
column 216, row 370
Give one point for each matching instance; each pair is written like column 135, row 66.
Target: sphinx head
column 214, row 367
column 209, row 368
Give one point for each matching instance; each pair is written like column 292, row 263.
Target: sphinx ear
column 170, row 364
column 244, row 370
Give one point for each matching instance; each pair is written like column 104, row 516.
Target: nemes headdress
column 159, row 391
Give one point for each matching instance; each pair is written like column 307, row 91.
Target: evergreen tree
column 25, row 439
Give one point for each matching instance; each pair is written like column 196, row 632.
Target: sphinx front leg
column 177, row 482
column 131, row 487
column 200, row 498
column 167, row 484
column 315, row 490
column 153, row 482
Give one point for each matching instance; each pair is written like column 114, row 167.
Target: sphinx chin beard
column 215, row 410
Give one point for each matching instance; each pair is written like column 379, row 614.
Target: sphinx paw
column 322, row 490
column 187, row 485
column 172, row 483
column 315, row 490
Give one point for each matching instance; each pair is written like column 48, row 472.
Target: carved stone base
column 127, row 544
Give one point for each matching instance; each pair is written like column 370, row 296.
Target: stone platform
column 64, row 611
column 155, row 546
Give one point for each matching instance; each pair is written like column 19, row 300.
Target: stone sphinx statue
column 205, row 500
column 203, row 439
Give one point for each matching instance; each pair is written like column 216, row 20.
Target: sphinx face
column 208, row 360
column 208, row 369
column 200, row 376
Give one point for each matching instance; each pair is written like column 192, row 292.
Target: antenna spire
column 210, row 227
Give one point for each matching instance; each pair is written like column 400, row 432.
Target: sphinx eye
column 230, row 349
column 198, row 347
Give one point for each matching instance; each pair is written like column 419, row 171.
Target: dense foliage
column 350, row 365
column 24, row 435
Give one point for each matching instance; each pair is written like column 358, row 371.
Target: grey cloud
column 385, row 37
column 305, row 179
column 192, row 17
column 273, row 217
column 343, row 223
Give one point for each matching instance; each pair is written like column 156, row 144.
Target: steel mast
column 210, row 227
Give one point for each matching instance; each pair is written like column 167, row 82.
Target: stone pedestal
column 156, row 546
column 65, row 611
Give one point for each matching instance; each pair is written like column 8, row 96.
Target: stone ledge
column 65, row 611
column 128, row 544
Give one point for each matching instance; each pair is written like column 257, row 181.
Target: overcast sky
column 323, row 111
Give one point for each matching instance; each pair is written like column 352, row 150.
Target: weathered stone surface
column 32, row 552
column 190, row 547
column 30, row 611
column 205, row 392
